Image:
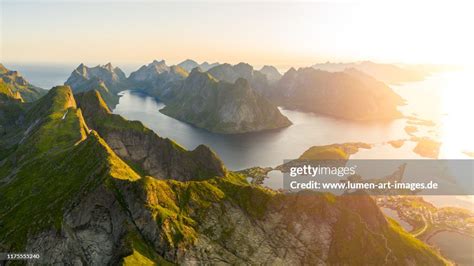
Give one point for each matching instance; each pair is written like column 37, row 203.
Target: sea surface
column 267, row 148
column 455, row 246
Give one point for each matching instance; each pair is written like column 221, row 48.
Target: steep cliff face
column 223, row 107
column 349, row 95
column 217, row 222
column 230, row 73
column 11, row 109
column 135, row 143
column 19, row 86
column 157, row 79
column 106, row 79
column 149, row 72
column 112, row 77
column 271, row 73
column 66, row 194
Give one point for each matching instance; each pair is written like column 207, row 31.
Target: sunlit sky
column 284, row 33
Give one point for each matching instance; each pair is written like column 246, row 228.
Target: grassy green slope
column 60, row 161
column 57, row 162
column 20, row 86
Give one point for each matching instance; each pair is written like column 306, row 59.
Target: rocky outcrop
column 19, row 86
column 230, row 73
column 93, row 207
column 137, row 144
column 157, row 79
column 223, row 107
column 112, row 77
column 106, row 79
column 350, row 95
column 149, row 72
column 292, row 230
column 271, row 73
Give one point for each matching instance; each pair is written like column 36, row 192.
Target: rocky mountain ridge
column 189, row 65
column 108, row 80
column 95, row 204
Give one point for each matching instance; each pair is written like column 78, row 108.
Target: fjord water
column 444, row 98
column 270, row 148
column 267, row 148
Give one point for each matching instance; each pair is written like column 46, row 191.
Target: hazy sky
column 256, row 32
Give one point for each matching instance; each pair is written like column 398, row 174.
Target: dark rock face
column 157, row 79
column 106, row 79
column 112, row 77
column 162, row 158
column 135, row 143
column 293, row 230
column 350, row 95
column 223, row 107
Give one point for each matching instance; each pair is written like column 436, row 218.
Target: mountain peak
column 189, row 61
column 156, row 62
column 271, row 73
column 188, row 64
column 109, row 67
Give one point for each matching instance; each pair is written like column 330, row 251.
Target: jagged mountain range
column 80, row 185
column 350, row 94
column 189, row 65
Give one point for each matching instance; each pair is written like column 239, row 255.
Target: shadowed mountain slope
column 223, row 107
column 67, row 195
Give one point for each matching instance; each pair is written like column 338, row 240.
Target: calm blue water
column 257, row 149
